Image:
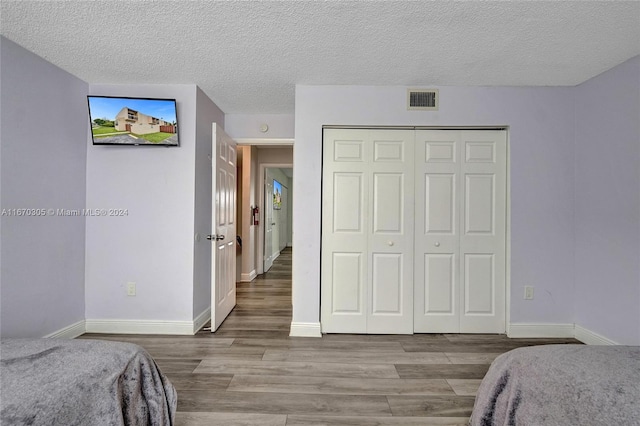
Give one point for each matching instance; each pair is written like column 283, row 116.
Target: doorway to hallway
column 263, row 306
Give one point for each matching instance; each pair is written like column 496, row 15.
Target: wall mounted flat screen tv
column 133, row 121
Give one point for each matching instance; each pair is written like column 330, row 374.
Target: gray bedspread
column 561, row 385
column 82, row 382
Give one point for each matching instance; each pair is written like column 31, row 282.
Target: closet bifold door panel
column 367, row 231
column 460, row 216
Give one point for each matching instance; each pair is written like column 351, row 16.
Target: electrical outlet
column 131, row 289
column 528, row 292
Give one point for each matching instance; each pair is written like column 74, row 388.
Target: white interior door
column 460, row 216
column 268, row 222
column 437, row 245
column 367, row 231
column 223, row 225
column 483, row 231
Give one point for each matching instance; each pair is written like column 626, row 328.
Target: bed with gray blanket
column 561, row 385
column 82, row 382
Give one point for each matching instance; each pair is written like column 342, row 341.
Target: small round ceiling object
column 264, row 128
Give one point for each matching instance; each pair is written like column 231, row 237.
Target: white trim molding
column 70, row 332
column 140, row 326
column 591, row 338
column 201, row 320
column 264, row 141
column 247, row 278
column 305, row 329
column 540, row 330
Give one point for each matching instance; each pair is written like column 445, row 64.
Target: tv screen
column 133, row 121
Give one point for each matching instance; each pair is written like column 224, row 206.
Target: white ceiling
column 248, row 56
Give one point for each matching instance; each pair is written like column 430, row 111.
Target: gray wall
column 44, row 137
column 607, row 203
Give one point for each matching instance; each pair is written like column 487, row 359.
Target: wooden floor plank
column 313, row 343
column 431, row 406
column 252, row 334
column 184, row 418
column 442, row 371
column 302, row 420
column 189, row 381
column 246, row 353
column 311, row 369
column 471, row 358
column 464, row 387
column 356, row 357
column 283, row 403
column 333, row 385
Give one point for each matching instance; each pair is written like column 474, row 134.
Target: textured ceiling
column 248, row 56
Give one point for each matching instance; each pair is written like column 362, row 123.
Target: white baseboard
column 247, row 278
column 201, row 320
column 70, row 332
column 540, row 330
column 140, row 327
column 305, row 329
column 591, row 338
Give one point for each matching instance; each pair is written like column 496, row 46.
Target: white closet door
column 460, row 231
column 483, row 231
column 367, row 231
column 437, row 213
column 344, row 272
column 391, row 225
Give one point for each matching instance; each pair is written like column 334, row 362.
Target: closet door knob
column 390, row 243
column 437, row 244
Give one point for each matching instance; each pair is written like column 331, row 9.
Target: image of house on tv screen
column 132, row 121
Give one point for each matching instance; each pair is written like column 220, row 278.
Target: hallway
column 263, row 306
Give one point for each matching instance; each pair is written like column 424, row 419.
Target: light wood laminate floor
column 250, row 372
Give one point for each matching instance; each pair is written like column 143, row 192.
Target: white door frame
column 261, row 229
column 507, row 129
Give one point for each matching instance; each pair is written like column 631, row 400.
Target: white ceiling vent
column 422, row 99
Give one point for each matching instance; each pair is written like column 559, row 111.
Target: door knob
column 437, row 244
column 215, row 237
column 390, row 243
